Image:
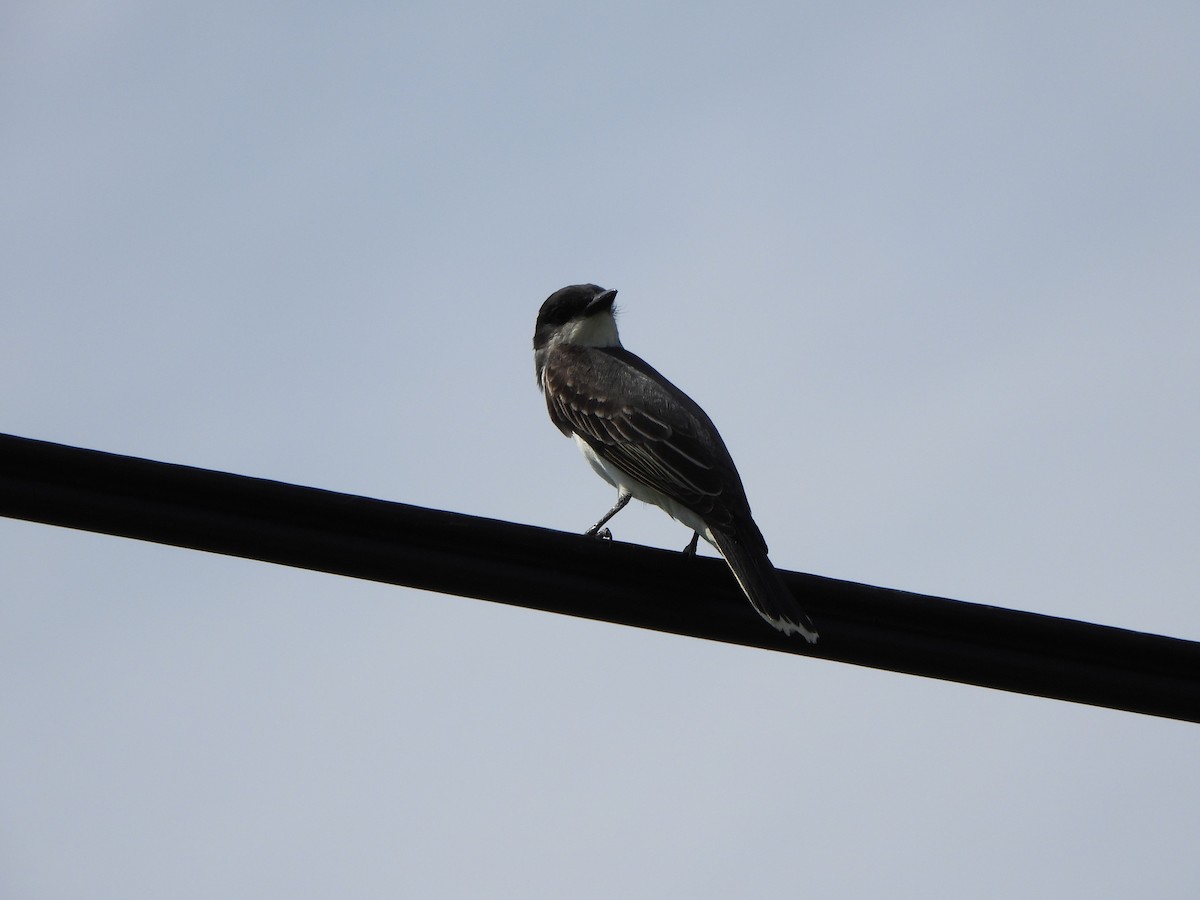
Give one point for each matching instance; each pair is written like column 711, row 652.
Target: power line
column 548, row 570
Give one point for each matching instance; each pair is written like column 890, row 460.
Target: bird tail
column 763, row 587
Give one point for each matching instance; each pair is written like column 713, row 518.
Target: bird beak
column 601, row 302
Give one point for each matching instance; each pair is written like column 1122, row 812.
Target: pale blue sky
column 949, row 253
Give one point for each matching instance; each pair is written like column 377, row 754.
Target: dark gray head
column 577, row 314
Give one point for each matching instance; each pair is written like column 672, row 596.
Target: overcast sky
column 933, row 270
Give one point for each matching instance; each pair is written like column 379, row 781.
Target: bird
column 651, row 441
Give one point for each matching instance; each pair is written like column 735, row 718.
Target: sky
column 930, row 267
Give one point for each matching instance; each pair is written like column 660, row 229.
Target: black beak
column 601, row 302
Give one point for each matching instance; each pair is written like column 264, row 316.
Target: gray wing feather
column 666, row 441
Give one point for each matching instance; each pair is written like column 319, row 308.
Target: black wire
column 610, row 581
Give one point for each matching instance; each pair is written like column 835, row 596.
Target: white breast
column 623, row 481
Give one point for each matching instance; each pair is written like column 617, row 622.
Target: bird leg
column 594, row 531
column 690, row 549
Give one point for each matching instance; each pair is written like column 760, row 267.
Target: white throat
column 599, row 330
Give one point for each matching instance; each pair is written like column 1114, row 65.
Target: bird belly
column 623, row 481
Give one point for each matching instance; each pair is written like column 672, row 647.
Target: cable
column 610, row 581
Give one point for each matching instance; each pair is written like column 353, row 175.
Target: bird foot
column 690, row 549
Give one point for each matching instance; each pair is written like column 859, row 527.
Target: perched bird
column 650, row 440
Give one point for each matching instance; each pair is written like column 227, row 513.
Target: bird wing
column 637, row 420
